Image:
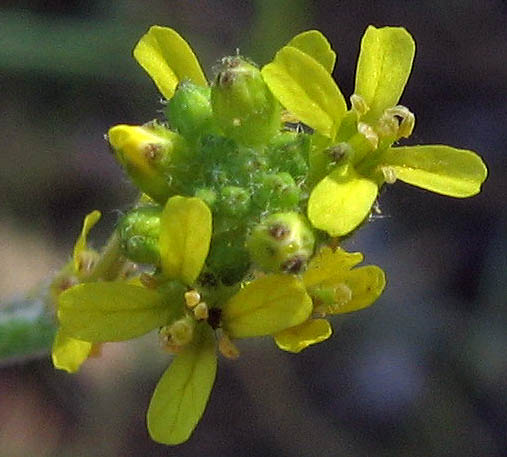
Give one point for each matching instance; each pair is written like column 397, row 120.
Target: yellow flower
column 335, row 288
column 353, row 153
column 115, row 311
column 69, row 353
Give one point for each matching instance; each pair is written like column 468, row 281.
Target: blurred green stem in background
column 275, row 23
column 27, row 326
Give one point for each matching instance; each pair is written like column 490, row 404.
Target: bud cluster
column 225, row 145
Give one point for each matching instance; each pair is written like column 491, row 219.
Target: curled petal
column 89, row 221
column 295, row 339
column 328, row 263
column 68, row 353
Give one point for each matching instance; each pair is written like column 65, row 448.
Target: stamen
column 227, row 348
column 201, row 311
column 367, row 131
column 192, row 298
column 389, row 175
column 359, row 105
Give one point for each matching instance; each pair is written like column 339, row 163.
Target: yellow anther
column 367, row 131
column 201, row 311
column 192, row 298
column 227, row 348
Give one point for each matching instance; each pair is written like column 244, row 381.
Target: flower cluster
column 247, row 187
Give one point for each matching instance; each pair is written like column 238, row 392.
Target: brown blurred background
column 421, row 373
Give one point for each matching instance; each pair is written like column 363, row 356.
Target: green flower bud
column 189, row 110
column 277, row 192
column 243, row 106
column 289, row 151
column 235, row 201
column 228, row 258
column 207, row 195
column 282, row 242
column 150, row 155
column 139, row 230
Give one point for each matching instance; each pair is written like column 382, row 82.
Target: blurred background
column 421, row 373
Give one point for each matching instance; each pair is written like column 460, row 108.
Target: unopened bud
column 189, row 110
column 243, row 106
column 283, row 242
column 139, row 230
column 149, row 154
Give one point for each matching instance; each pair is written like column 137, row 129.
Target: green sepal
column 441, row 169
column 295, row 339
column 316, row 45
column 112, row 311
column 341, row 201
column 182, row 393
column 185, row 236
column 383, row 68
column 168, row 59
column 306, row 89
column 69, row 353
column 266, row 306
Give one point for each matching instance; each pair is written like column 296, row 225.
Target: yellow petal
column 185, row 235
column 315, row 44
column 365, row 285
column 181, row 394
column 168, row 59
column 328, row 263
column 306, row 89
column 89, row 221
column 341, row 201
column 266, row 306
column 295, row 339
column 68, row 353
column 442, row 169
column 115, row 311
column 383, row 68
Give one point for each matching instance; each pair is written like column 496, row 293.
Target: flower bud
column 289, row 151
column 150, row 155
column 243, row 106
column 235, row 201
column 139, row 230
column 189, row 110
column 277, row 192
column 282, row 242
